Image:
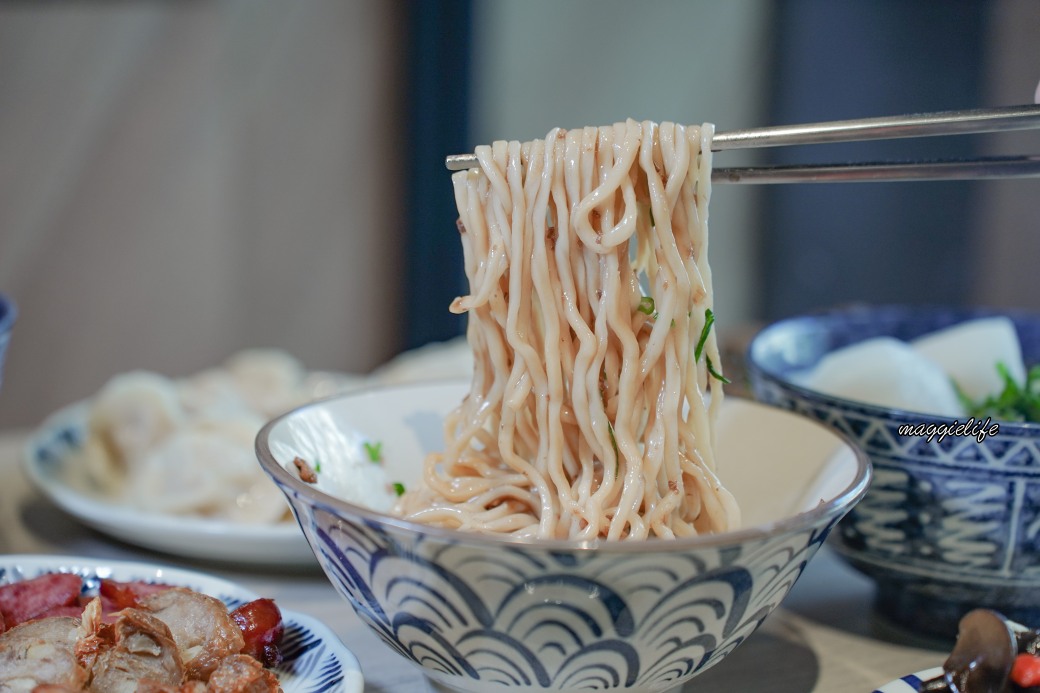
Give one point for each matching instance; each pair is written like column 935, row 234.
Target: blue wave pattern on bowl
column 567, row 627
column 946, row 525
column 308, row 664
column 911, row 683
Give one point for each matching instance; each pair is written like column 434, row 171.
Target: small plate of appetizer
column 168, row 464
column 78, row 622
column 992, row 655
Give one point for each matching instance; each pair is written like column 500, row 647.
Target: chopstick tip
column 460, row 162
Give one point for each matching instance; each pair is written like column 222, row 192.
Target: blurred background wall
column 182, row 180
column 602, row 62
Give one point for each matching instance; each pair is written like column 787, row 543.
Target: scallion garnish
column 617, row 453
column 714, row 373
column 1016, row 402
column 646, row 305
column 375, row 451
column 709, row 320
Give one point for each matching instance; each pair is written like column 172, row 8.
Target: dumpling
column 270, row 381
column 207, row 470
column 134, row 411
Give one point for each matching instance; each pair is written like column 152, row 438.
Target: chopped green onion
column 317, row 468
column 709, row 320
column 398, row 488
column 714, row 373
column 646, row 305
column 617, row 453
column 1016, row 402
column 375, row 451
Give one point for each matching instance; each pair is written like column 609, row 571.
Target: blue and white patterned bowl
column 485, row 613
column 947, row 525
column 8, row 313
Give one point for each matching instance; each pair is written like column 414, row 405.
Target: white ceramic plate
column 49, row 451
column 314, row 659
column 910, row 683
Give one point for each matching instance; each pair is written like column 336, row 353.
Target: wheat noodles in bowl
column 596, row 375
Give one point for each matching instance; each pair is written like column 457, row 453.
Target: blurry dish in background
column 941, row 373
column 57, row 446
column 950, row 522
column 169, row 464
column 448, row 360
column 185, row 447
column 313, row 658
column 991, row 653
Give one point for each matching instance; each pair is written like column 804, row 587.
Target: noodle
column 588, row 414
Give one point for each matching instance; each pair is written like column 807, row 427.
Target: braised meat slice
column 201, row 626
column 242, row 674
column 38, row 597
column 41, row 652
column 116, row 595
column 143, row 648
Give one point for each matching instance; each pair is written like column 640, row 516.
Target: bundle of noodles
column 596, row 379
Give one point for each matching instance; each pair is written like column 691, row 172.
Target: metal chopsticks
column 882, row 171
column 890, row 127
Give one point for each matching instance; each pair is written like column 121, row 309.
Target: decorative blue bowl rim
column 818, row 515
column 829, row 317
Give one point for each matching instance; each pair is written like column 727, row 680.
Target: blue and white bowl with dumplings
column 952, row 518
column 483, row 612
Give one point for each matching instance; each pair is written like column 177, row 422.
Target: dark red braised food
column 262, row 628
column 94, row 641
column 47, row 595
column 991, row 655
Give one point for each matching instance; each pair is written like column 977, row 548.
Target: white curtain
column 182, row 180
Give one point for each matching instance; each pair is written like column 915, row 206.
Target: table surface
column 823, row 638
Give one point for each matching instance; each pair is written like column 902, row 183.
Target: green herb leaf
column 317, row 468
column 375, row 451
column 398, row 488
column 709, row 320
column 617, row 453
column 646, row 305
column 1016, row 402
column 715, row 374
